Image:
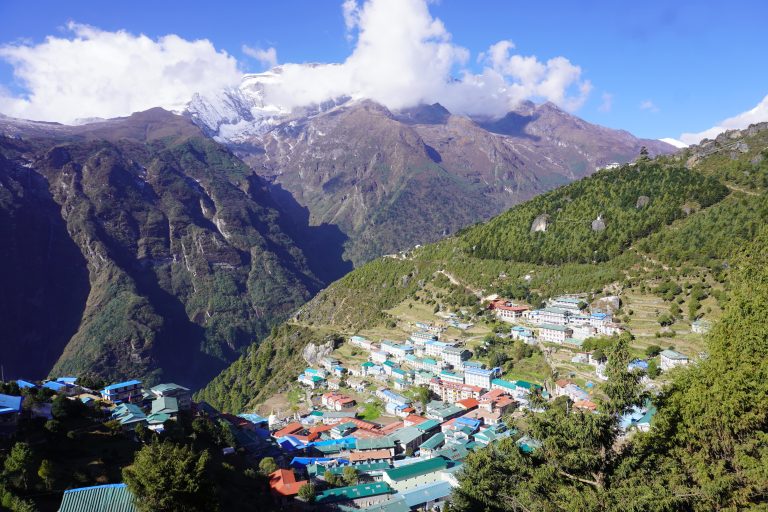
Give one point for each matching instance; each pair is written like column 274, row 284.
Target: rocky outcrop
column 598, row 224
column 540, row 223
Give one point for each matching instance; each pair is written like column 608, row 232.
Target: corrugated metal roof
column 427, row 493
column 417, row 469
column 122, row 385
column 100, row 498
column 353, row 492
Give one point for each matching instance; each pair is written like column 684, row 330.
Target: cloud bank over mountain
column 754, row 115
column 402, row 56
column 95, row 73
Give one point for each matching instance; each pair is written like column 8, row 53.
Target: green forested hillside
column 632, row 201
column 707, row 448
column 688, row 232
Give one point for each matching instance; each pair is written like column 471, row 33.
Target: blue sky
column 692, row 64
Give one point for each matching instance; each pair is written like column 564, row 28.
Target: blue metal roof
column 67, row 380
column 10, row 403
column 426, row 493
column 53, row 385
column 25, row 384
column 122, row 385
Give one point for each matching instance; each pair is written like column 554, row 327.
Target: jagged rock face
column 391, row 180
column 313, row 354
column 175, row 256
column 540, row 223
column 610, row 304
column 598, row 224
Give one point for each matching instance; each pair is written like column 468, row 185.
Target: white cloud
column 607, row 103
column 755, row 115
column 649, row 105
column 403, row 56
column 267, row 57
column 351, row 11
column 94, row 73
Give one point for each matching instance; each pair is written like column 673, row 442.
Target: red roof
column 367, row 425
column 414, row 419
column 289, row 429
column 392, row 427
column 507, row 306
column 283, row 482
column 384, row 453
column 586, row 404
column 468, row 403
column 318, row 429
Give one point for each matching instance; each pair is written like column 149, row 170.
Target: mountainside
column 137, row 247
column 369, row 171
column 661, row 223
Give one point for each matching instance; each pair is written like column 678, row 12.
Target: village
column 402, row 420
column 388, row 433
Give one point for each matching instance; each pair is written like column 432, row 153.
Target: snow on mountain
column 674, row 142
column 234, row 114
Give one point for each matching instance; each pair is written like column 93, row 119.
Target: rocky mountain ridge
column 372, row 172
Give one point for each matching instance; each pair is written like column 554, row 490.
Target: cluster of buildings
column 565, row 321
column 409, row 464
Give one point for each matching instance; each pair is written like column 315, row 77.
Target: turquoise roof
column 353, row 492
column 417, row 469
column 100, row 498
column 428, row 425
column 433, row 442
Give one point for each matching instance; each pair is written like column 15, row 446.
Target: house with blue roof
column 23, row 384
column 10, row 408
column 128, row 391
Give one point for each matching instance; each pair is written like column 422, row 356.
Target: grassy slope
column 374, row 299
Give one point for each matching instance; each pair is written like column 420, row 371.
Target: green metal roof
column 550, row 327
column 433, row 442
column 165, row 404
column 353, row 492
column 396, row 504
column 416, row 469
column 452, row 452
column 406, row 435
column 170, row 386
column 367, row 364
column 503, row 383
column 100, row 498
column 425, row 426
column 375, row 443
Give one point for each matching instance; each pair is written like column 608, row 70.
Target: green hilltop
column 664, row 222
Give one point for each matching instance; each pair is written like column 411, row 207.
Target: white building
column 396, row 350
column 435, row 348
column 555, row 333
column 455, row 356
column 554, row 316
column 507, row 311
column 364, row 343
column 670, row 359
column 480, row 377
column 378, row 356
column 565, row 302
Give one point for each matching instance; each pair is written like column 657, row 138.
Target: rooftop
column 353, row 492
column 125, row 384
column 99, row 498
column 416, row 469
column 671, row 354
